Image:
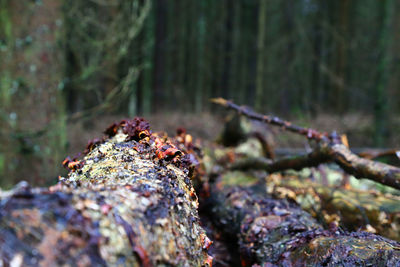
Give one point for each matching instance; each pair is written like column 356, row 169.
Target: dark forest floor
column 206, row 126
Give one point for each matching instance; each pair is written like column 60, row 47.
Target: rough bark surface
column 353, row 209
column 351, row 163
column 273, row 222
column 129, row 202
column 274, row 232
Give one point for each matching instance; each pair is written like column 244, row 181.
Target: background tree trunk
column 381, row 95
column 261, row 53
column 33, row 135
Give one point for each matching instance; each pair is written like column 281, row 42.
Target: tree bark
column 30, row 32
column 126, row 203
column 159, row 54
column 381, row 108
column 277, row 232
column 341, row 52
column 261, row 53
column 353, row 209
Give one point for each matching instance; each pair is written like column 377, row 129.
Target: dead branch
column 377, row 153
column 286, row 125
column 328, row 149
column 296, row 163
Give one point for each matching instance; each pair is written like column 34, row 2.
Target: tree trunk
column 261, row 54
column 341, row 51
column 381, row 97
column 159, row 54
column 30, row 35
column 149, row 36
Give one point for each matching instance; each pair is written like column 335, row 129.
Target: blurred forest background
column 70, row 67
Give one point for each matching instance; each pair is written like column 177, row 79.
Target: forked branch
column 328, row 149
column 286, row 125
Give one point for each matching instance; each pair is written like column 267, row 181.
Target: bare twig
column 329, row 149
column 296, row 163
column 286, row 125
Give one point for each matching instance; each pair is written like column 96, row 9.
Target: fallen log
column 277, row 232
column 352, row 209
column 328, row 148
column 128, row 202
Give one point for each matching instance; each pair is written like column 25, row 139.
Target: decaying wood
column 277, row 232
column 352, row 209
column 129, row 202
column 295, row 163
column 329, row 148
column 378, row 153
column 273, row 120
column 273, row 218
column 237, row 130
column 351, row 163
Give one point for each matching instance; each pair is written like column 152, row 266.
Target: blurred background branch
column 64, row 64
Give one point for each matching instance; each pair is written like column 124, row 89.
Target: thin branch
column 328, row 149
column 286, row 125
column 295, row 163
column 364, row 168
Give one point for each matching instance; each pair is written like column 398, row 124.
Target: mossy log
column 129, row 202
column 257, row 194
column 353, row 209
column 277, row 232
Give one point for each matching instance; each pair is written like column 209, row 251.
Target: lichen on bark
column 124, row 205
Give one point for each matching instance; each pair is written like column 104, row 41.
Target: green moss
column 239, row 178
